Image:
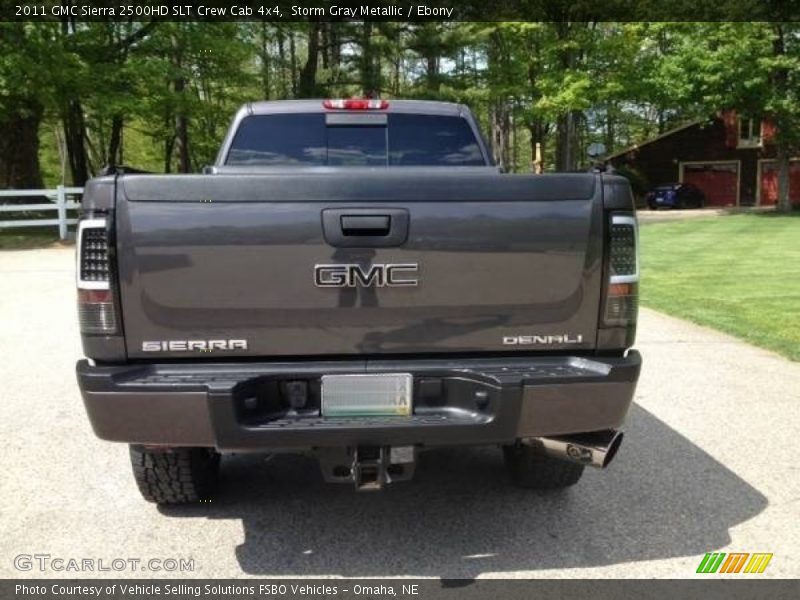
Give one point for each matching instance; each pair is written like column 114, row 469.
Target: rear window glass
column 431, row 140
column 304, row 139
column 292, row 139
column 361, row 146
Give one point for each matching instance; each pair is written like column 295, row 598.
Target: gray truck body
column 232, row 257
column 228, row 285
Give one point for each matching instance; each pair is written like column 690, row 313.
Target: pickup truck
column 355, row 279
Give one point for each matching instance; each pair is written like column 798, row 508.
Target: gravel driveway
column 706, row 465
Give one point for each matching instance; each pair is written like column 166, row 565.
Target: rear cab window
column 317, row 139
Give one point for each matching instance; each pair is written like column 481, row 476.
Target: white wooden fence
column 58, row 203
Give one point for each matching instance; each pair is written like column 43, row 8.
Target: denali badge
column 529, row 340
column 395, row 275
column 193, row 345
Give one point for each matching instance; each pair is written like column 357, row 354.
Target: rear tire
column 530, row 469
column 176, row 475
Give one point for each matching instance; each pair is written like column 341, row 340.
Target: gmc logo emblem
column 393, row 275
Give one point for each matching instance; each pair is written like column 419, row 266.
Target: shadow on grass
column 663, row 497
column 774, row 214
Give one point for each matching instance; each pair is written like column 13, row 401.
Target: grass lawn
column 739, row 274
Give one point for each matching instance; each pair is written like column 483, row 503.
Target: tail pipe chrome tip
column 596, row 449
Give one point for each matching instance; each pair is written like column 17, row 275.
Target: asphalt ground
column 708, row 464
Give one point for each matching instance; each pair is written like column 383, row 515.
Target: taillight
column 96, row 309
column 356, row 104
column 622, row 290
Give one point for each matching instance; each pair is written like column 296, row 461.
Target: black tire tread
column 176, row 476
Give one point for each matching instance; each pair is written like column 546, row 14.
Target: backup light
column 96, row 312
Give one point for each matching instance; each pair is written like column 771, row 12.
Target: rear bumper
column 456, row 401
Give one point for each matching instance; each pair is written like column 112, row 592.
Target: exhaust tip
column 596, row 449
column 613, row 447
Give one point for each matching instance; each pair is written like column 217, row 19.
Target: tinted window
column 292, row 139
column 432, row 140
column 357, row 146
column 304, row 139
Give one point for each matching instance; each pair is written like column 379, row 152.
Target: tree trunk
column 397, row 66
column 19, row 147
column 366, row 57
column 567, row 129
column 266, row 76
column 307, row 87
column 284, row 91
column 562, row 142
column 72, row 119
column 335, row 46
column 293, row 63
column 370, row 67
column 566, row 143
column 182, row 136
column 19, row 128
column 537, row 127
column 783, row 158
column 780, row 81
column 611, row 131
column 537, row 130
column 169, row 148
column 500, row 125
column 326, row 44
column 181, row 124
column 114, row 152
column 432, row 72
column 74, row 137
column 514, row 135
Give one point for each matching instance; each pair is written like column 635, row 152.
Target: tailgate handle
column 363, row 227
column 369, row 225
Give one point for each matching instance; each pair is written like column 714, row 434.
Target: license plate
column 366, row 395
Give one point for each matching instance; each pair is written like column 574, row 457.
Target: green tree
column 753, row 68
column 25, row 63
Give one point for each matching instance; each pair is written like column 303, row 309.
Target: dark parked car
column 675, row 195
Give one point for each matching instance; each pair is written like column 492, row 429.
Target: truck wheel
column 175, row 475
column 531, row 469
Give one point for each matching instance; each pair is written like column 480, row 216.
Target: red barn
column 731, row 158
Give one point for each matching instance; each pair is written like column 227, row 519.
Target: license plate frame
column 367, row 395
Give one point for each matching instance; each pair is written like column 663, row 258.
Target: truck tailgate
column 231, row 265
